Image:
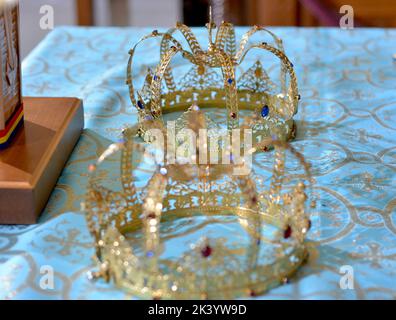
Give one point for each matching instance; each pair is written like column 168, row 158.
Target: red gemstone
column 151, row 215
column 233, row 115
column 252, row 293
column 287, row 233
column 254, row 199
column 206, row 251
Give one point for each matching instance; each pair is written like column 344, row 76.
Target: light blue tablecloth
column 347, row 126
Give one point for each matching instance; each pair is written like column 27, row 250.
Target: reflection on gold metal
column 211, row 81
column 131, row 243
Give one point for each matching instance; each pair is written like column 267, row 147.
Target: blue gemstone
column 264, row 111
column 155, row 78
column 150, row 254
column 140, row 104
column 229, row 80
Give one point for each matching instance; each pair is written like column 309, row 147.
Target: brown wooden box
column 31, row 165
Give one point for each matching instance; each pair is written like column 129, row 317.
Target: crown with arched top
column 212, row 82
column 195, row 231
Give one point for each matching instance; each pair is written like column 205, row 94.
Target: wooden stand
column 31, row 165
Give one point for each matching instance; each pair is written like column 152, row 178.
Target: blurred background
column 164, row 13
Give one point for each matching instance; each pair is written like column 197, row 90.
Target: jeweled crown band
column 177, row 192
column 152, row 103
column 162, row 227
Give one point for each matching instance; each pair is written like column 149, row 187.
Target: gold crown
column 182, row 231
column 269, row 107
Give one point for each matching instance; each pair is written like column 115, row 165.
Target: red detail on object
column 288, row 232
column 11, row 121
column 151, row 215
column 206, row 252
column 252, row 293
column 233, row 115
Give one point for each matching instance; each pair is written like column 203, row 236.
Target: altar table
column 346, row 129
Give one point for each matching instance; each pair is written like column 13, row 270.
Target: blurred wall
column 160, row 13
column 30, row 31
column 164, row 13
column 368, row 13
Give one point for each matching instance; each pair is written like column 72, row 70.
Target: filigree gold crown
column 211, row 81
column 194, row 231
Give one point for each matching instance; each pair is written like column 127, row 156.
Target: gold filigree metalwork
column 135, row 227
column 272, row 106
